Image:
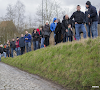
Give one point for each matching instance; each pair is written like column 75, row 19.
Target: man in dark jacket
column 58, row 32
column 46, row 30
column 94, row 18
column 1, row 51
column 13, row 46
column 88, row 23
column 22, row 44
column 65, row 23
column 79, row 18
column 35, row 36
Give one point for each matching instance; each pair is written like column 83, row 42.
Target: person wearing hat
column 17, row 46
column 53, row 26
column 46, row 34
column 92, row 14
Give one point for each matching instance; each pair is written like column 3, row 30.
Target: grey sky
column 32, row 5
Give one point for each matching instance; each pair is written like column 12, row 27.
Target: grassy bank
column 73, row 65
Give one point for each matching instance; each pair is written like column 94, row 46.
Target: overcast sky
column 32, row 5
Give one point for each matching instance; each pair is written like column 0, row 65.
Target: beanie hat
column 47, row 22
column 88, row 3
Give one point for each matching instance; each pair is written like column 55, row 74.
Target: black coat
column 58, row 28
column 79, row 17
column 87, row 20
column 46, row 30
column 35, row 36
column 22, row 42
column 1, row 50
column 99, row 19
column 93, row 13
column 7, row 47
column 12, row 44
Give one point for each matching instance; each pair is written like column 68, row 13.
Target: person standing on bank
column 53, row 26
column 88, row 23
column 99, row 17
column 94, row 18
column 65, row 23
column 36, row 37
column 46, row 30
column 27, row 39
column 58, row 32
column 22, row 44
column 12, row 46
column 79, row 18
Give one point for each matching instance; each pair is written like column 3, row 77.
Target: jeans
column 7, row 53
column 22, row 50
column 89, row 30
column 94, row 29
column 18, row 51
column 77, row 28
column 12, row 49
column 3, row 54
column 36, row 45
column 42, row 42
column 69, row 37
column 28, row 46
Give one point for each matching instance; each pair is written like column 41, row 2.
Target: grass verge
column 73, row 65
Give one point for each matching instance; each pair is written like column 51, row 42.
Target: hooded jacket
column 35, row 36
column 93, row 13
column 38, row 31
column 53, row 25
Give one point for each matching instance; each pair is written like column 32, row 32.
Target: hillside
column 73, row 65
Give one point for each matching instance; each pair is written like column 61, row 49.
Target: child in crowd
column 69, row 33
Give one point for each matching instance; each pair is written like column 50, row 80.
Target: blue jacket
column 93, row 13
column 22, row 42
column 53, row 26
column 29, row 38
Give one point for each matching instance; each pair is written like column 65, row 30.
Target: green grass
column 73, row 65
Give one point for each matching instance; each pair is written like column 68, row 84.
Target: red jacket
column 17, row 44
column 38, row 31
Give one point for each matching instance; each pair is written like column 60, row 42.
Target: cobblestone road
column 15, row 79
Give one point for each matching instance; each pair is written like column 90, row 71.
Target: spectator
column 65, row 23
column 35, row 36
column 69, row 33
column 1, row 51
column 53, row 26
column 4, row 50
column 17, row 46
column 58, row 32
column 46, row 30
column 94, row 18
column 13, row 46
column 79, row 18
column 99, row 17
column 7, row 48
column 42, row 37
column 88, row 23
column 22, row 44
column 27, row 39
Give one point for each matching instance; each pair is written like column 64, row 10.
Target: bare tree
column 50, row 10
column 20, row 15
